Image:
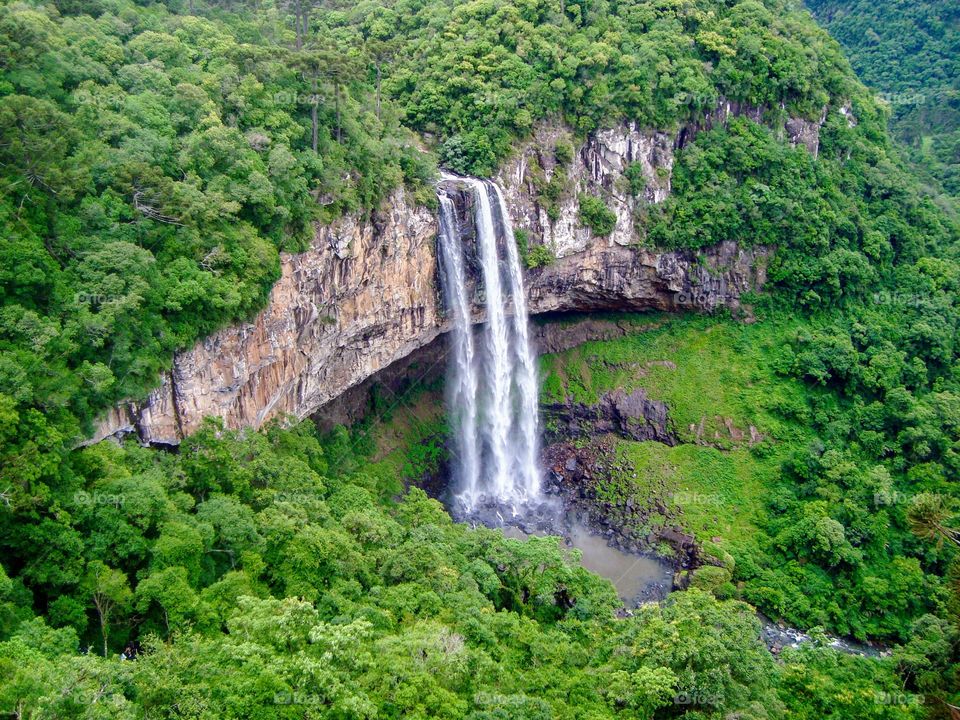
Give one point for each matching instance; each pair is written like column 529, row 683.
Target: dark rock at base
column 631, row 415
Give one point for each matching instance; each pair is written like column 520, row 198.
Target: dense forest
column 908, row 53
column 155, row 161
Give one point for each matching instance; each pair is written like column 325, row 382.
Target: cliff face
column 630, row 168
column 363, row 296
column 366, row 293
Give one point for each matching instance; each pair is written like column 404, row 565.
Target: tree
column 929, row 516
column 326, row 58
column 381, row 51
column 110, row 592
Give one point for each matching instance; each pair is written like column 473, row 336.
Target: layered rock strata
column 365, row 294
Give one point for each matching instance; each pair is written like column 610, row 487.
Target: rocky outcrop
column 631, row 415
column 623, row 278
column 597, row 168
column 795, row 130
column 365, row 294
column 628, row 166
column 587, row 477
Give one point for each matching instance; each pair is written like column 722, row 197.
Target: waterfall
column 492, row 389
column 462, row 387
column 527, row 442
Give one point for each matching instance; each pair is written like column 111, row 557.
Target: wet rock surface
column 576, row 475
column 629, row 414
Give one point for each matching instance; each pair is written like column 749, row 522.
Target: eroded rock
column 631, row 415
column 365, row 294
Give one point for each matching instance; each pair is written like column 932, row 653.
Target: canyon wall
column 366, row 293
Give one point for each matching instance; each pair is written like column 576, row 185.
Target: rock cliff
column 365, row 294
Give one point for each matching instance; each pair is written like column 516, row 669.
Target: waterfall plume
column 492, row 389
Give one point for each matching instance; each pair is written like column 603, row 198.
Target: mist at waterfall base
column 492, row 389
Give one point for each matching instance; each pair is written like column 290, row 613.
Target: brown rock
column 365, row 295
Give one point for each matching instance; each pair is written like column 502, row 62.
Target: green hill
column 908, row 53
column 155, row 159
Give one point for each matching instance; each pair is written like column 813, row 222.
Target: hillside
column 162, row 164
column 907, row 52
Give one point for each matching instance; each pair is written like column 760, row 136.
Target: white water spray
column 492, row 394
column 527, row 442
column 462, row 388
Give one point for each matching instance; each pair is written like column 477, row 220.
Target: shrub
column 636, row 182
column 596, row 215
column 709, row 578
column 563, row 152
column 471, row 153
column 537, row 256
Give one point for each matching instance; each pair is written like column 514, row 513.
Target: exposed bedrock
column 366, row 294
column 631, row 415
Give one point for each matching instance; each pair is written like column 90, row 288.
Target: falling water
column 527, row 441
column 492, row 392
column 462, row 388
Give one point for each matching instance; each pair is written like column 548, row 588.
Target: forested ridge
column 155, row 159
column 908, row 53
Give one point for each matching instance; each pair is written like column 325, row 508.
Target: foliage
column 595, row 214
column 537, row 256
column 908, row 52
column 153, row 165
column 156, row 158
column 266, row 588
column 636, row 182
column 822, row 527
column 478, row 74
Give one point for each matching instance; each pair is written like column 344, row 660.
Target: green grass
column 721, row 494
column 711, row 373
column 718, row 380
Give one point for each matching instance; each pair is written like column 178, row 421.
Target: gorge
column 365, row 295
column 475, row 360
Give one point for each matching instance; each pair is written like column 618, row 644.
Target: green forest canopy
column 156, row 159
column 908, row 51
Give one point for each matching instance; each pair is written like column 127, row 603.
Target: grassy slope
column 711, row 373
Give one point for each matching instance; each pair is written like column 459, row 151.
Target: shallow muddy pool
column 637, row 578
